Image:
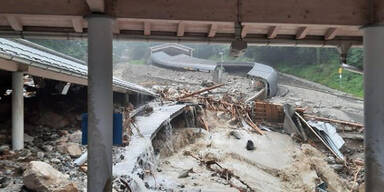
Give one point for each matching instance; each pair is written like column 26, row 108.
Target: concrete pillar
column 17, row 111
column 100, row 103
column 374, row 107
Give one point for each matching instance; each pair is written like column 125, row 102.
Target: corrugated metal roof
column 24, row 52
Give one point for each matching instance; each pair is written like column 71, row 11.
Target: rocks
column 337, row 167
column 55, row 160
column 4, row 182
column 207, row 83
column 73, row 149
column 4, row 148
column 28, row 138
column 40, row 176
column 47, row 148
column 75, row 137
column 235, row 134
column 40, row 155
column 185, row 173
column 250, row 146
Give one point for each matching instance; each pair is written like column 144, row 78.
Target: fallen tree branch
column 253, row 125
column 221, row 171
column 200, row 91
column 204, row 123
column 334, row 121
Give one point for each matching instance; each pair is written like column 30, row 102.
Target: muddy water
column 277, row 164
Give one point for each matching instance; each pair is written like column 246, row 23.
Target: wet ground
column 278, row 163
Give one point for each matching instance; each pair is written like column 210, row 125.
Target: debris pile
column 333, row 165
column 198, row 136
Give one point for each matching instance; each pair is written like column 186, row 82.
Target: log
column 253, row 125
column 200, row 91
column 334, row 121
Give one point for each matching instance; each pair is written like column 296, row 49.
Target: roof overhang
column 291, row 22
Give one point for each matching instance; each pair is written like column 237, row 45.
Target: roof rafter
column 77, row 23
column 272, row 32
column 14, row 22
column 244, row 31
column 301, row 32
column 147, row 28
column 180, row 29
column 212, row 30
column 331, row 33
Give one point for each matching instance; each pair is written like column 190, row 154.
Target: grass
column 327, row 74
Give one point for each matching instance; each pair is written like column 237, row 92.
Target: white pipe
column 17, row 111
column 82, row 159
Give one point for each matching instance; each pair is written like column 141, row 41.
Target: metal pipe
column 100, row 103
column 374, row 107
column 17, row 111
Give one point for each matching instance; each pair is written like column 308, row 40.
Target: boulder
column 250, row 146
column 72, row 149
column 40, row 176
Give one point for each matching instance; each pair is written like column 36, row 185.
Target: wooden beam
column 147, row 28
column 14, row 22
column 325, row 12
column 301, row 32
column 330, row 34
column 272, row 32
column 180, row 29
column 8, row 65
column 212, row 30
column 244, row 31
column 96, row 5
column 77, row 23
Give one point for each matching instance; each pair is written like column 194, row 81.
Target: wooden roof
column 290, row 22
